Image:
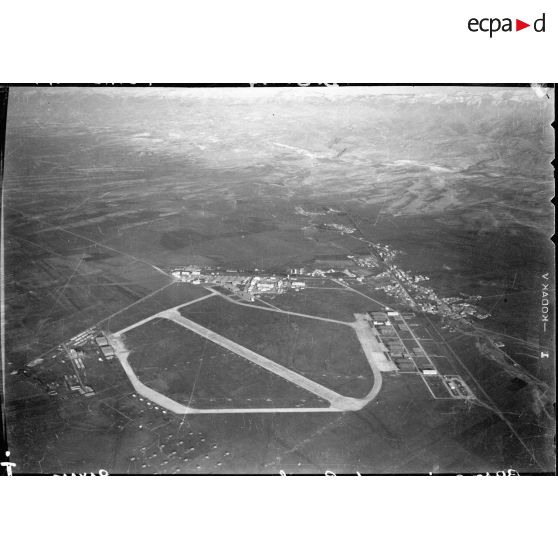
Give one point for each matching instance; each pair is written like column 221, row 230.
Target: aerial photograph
column 267, row 280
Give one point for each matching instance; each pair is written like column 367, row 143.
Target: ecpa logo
column 492, row 25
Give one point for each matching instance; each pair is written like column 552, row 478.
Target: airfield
column 98, row 209
column 337, row 402
column 171, row 375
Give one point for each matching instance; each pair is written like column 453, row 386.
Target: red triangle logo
column 519, row 25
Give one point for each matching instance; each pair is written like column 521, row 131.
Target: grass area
column 327, row 353
column 50, row 298
column 337, row 304
column 443, row 365
column 194, row 371
column 436, row 384
column 173, row 295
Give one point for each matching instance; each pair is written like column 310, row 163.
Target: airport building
column 101, row 341
column 108, row 352
column 405, row 365
column 379, row 318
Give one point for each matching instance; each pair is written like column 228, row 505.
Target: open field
column 173, row 295
column 51, row 298
column 301, row 344
column 403, row 431
column 328, row 302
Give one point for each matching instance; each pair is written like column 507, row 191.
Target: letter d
column 536, row 24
